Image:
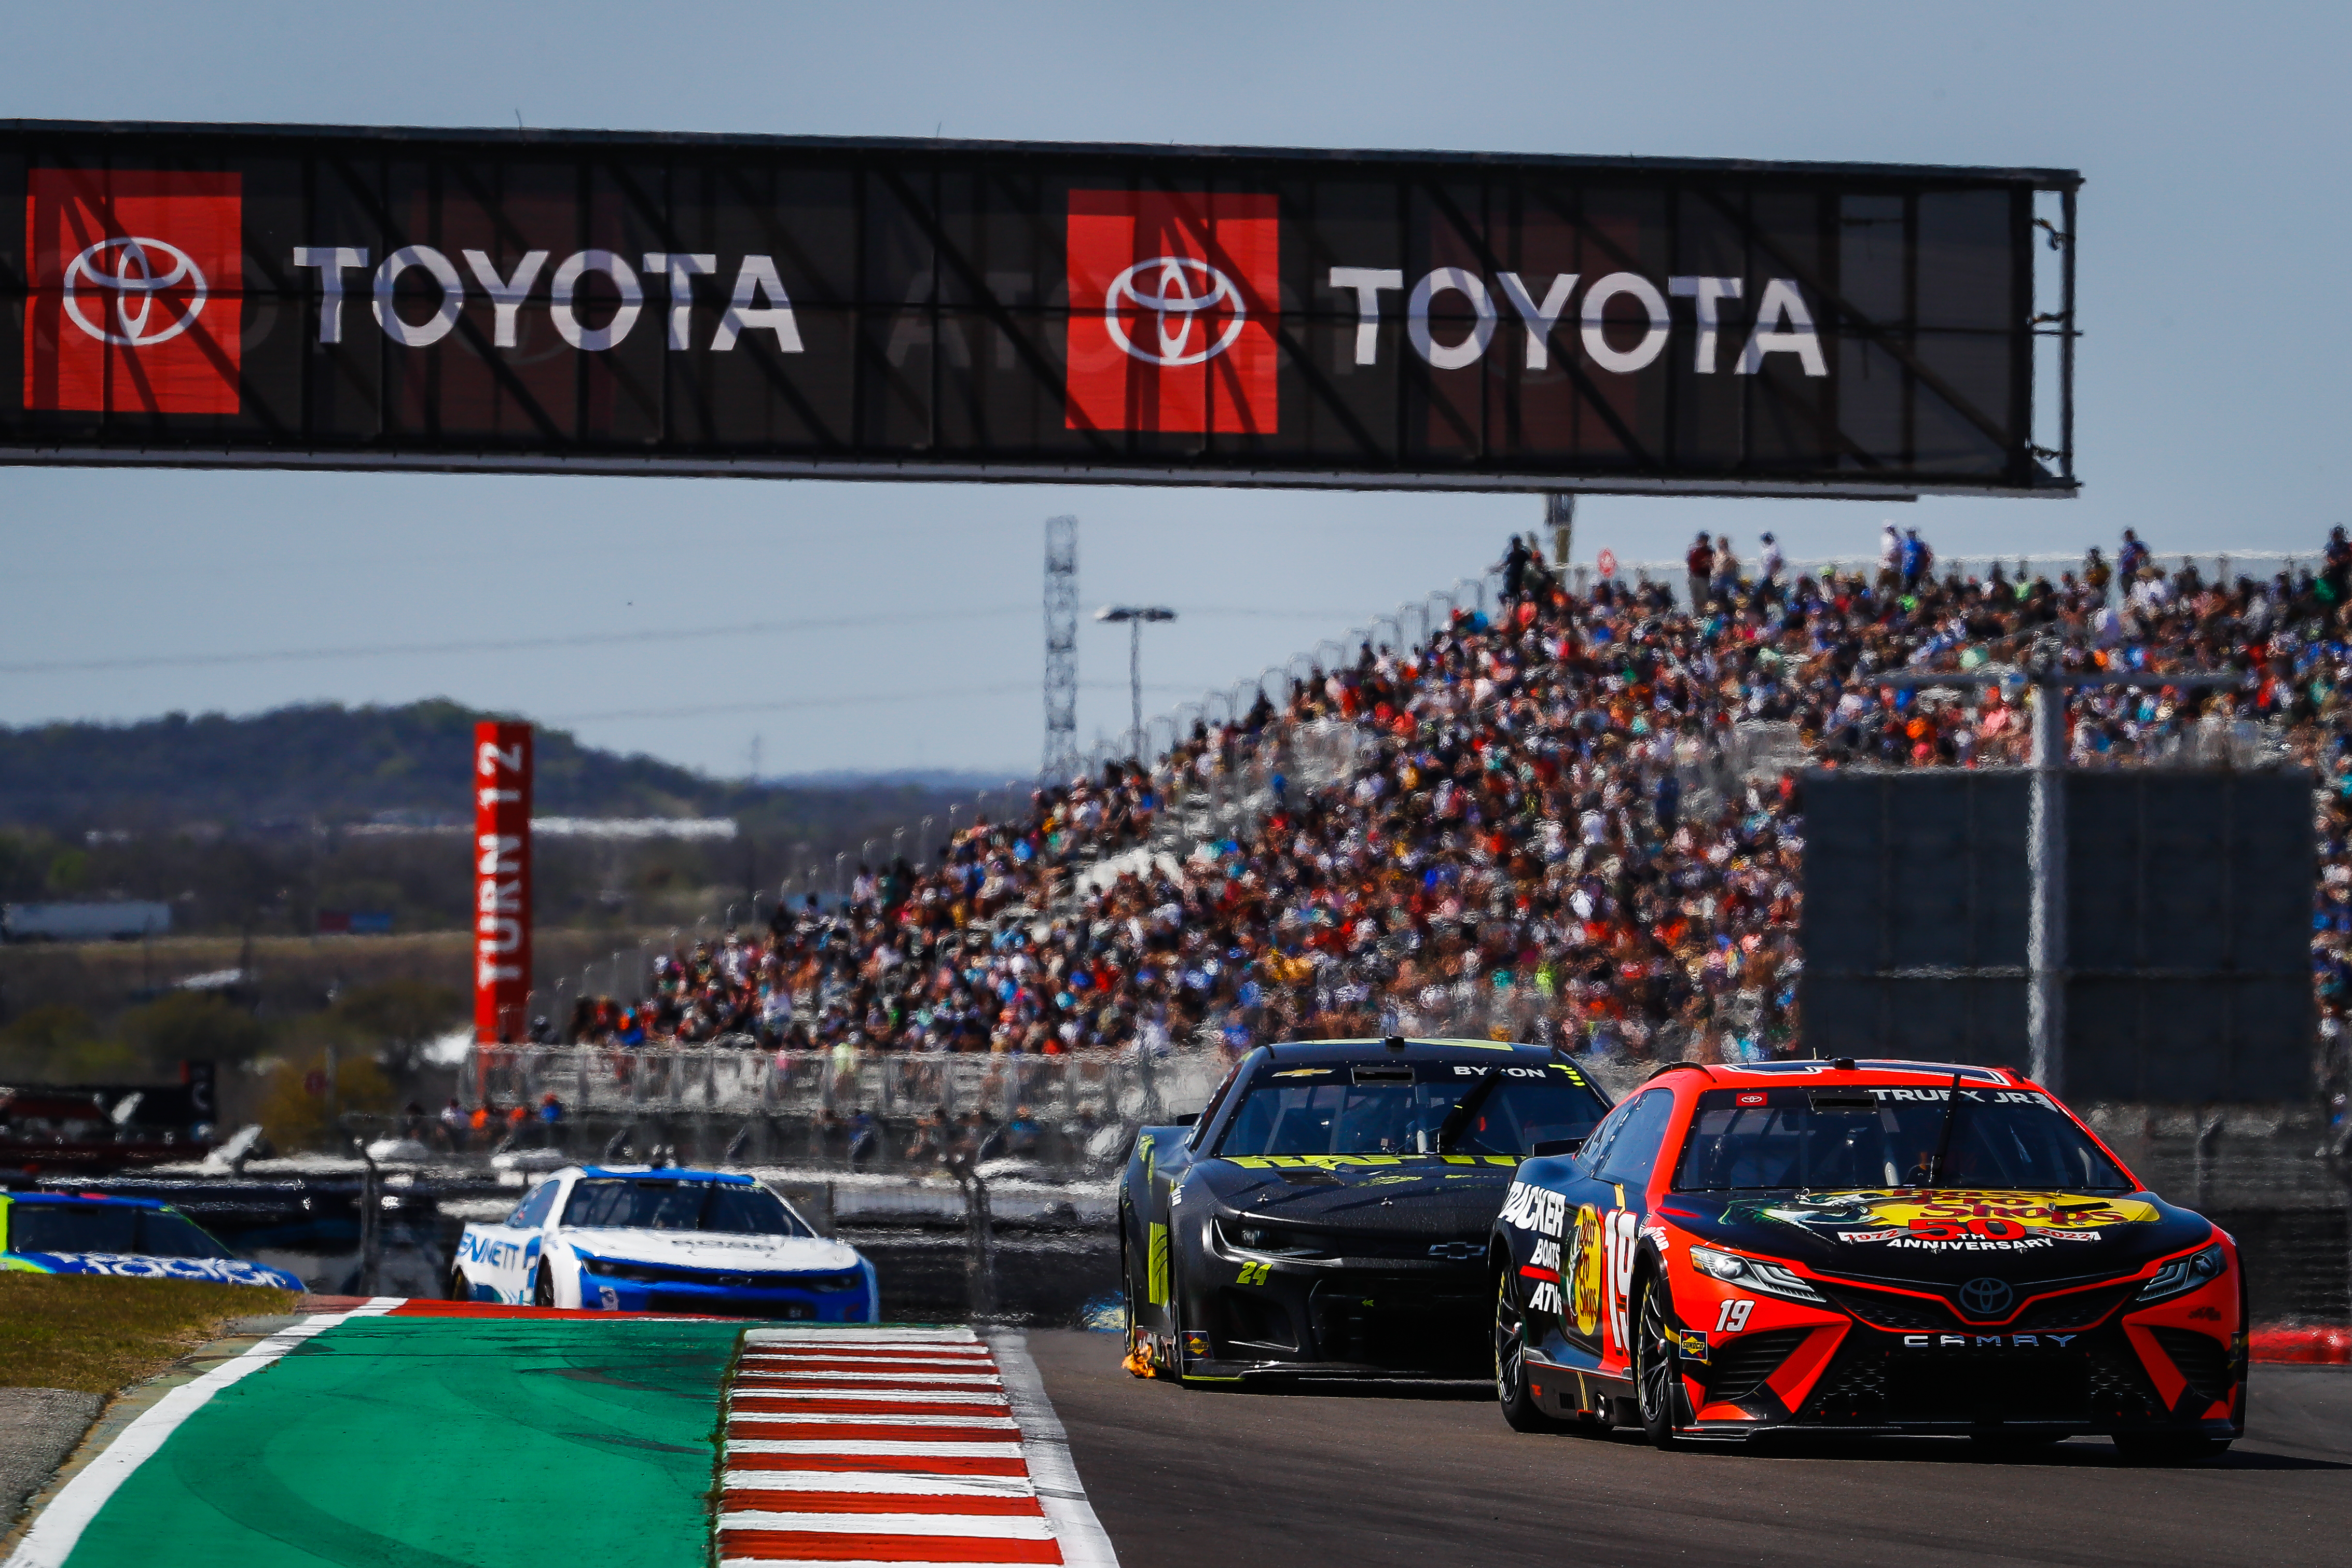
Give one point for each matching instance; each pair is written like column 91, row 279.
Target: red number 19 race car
column 1863, row 1247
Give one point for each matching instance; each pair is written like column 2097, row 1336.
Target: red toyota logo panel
column 137, row 279
column 1172, row 298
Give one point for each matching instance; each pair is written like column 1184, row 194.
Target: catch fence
column 2211, row 566
column 734, row 1100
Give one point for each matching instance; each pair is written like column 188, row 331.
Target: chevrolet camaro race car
column 131, row 1237
column 661, row 1239
column 1863, row 1247
column 1327, row 1212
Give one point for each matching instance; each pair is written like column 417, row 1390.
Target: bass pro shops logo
column 1172, row 299
column 136, row 299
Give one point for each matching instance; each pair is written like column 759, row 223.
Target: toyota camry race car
column 1327, row 1212
column 1863, row 1247
column 663, row 1240
column 131, row 1237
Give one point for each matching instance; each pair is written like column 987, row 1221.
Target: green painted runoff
column 416, row 1442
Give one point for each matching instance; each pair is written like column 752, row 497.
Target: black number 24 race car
column 1863, row 1247
column 1329, row 1213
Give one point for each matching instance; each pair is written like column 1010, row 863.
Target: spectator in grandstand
column 1513, row 567
column 1890, row 559
column 1700, row 564
column 2131, row 558
column 1726, row 569
column 1769, row 565
column 1539, row 824
column 1916, row 561
column 2096, row 576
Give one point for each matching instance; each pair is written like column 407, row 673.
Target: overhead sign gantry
column 519, row 301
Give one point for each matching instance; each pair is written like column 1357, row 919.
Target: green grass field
column 100, row 1335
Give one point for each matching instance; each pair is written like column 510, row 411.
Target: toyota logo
column 1182, row 293
column 1985, row 1298
column 129, row 266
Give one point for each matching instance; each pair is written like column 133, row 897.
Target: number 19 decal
column 1732, row 1316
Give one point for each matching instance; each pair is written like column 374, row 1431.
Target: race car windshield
column 1341, row 1110
column 139, row 1232
column 727, row 1208
column 1796, row 1139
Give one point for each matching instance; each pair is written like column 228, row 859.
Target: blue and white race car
column 635, row 1238
column 130, row 1238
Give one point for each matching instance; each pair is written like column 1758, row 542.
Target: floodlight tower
column 1134, row 617
column 1061, row 647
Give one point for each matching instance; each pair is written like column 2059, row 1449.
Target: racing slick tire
column 2164, row 1448
column 543, row 1290
column 460, row 1288
column 1657, row 1365
column 1520, row 1411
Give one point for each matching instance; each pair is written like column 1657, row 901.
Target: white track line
column 784, row 1399
column 895, row 1483
column 911, row 1338
column 802, row 1376
column 1047, row 1448
column 59, row 1527
column 1005, row 1450
column 836, row 1563
column 996, row 1526
column 780, row 1417
column 840, row 1358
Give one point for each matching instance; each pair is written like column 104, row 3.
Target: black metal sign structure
column 525, row 301
column 2185, row 914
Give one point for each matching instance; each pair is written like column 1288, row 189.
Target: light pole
column 1134, row 616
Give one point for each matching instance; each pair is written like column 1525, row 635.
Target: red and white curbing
column 905, row 1447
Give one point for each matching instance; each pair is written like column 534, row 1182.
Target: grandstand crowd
column 1549, row 821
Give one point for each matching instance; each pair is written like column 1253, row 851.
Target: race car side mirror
column 1558, row 1146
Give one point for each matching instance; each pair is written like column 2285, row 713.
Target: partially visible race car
column 1863, row 1247
column 662, row 1240
column 131, row 1237
column 1327, row 1212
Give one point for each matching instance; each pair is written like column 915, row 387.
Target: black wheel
column 460, row 1288
column 2162, row 1448
column 1520, row 1410
column 542, row 1291
column 1657, row 1365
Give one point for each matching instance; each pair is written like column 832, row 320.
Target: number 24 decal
column 1732, row 1316
column 1253, row 1274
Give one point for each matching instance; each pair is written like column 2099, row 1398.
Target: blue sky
column 899, row 623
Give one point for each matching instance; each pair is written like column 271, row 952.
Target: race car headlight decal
column 2198, row 1268
column 1269, row 1240
column 1753, row 1274
column 850, row 1281
column 610, row 1270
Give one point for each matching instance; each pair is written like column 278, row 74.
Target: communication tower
column 1061, row 647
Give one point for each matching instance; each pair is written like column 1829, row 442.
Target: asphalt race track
column 1423, row 1476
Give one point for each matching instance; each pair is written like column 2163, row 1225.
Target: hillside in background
column 243, row 824
column 319, row 763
